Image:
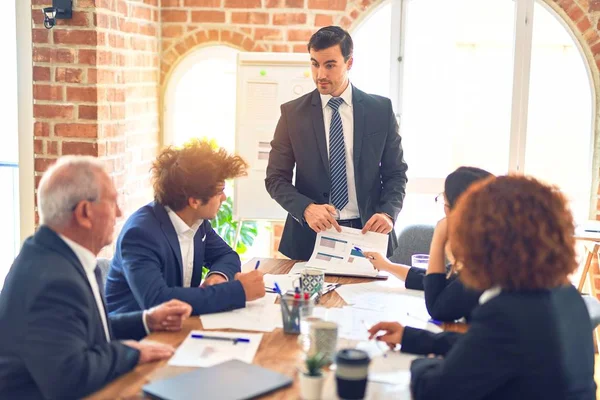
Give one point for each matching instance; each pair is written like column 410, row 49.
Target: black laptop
column 231, row 380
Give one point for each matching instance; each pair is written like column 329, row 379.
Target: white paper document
column 259, row 315
column 394, row 302
column 336, row 254
column 352, row 322
column 284, row 281
column 206, row 352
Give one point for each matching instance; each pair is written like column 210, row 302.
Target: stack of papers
column 261, row 315
column 215, row 348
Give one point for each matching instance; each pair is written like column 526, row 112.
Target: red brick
column 268, row 34
column 87, row 94
column 70, row 75
column 294, row 3
column 83, row 37
column 86, row 57
column 42, row 164
column 52, row 111
column 299, row 35
column 41, row 129
column 323, row 20
column 86, row 3
column 289, row 19
column 76, row 130
column 584, row 25
column 38, row 146
column 330, row 5
column 47, row 92
column 202, row 3
column 52, row 55
column 170, row 31
column 575, row 13
column 171, row 3
column 174, row 16
column 41, row 73
column 280, row 48
column 142, row 13
column 40, row 35
column 80, row 148
column 88, row 112
column 596, row 49
column 242, row 4
column 208, row 16
column 250, row 18
column 594, row 5
column 52, row 147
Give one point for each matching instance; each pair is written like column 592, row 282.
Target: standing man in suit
column 346, row 149
column 56, row 340
column 164, row 245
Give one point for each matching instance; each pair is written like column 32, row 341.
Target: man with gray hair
column 56, row 340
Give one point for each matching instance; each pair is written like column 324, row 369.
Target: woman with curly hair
column 530, row 337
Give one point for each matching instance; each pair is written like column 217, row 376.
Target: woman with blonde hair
column 530, row 337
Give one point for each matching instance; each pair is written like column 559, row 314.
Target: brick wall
column 95, row 84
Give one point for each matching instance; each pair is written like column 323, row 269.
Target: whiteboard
column 264, row 82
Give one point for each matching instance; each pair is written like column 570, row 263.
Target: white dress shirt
column 88, row 261
column 350, row 211
column 185, row 236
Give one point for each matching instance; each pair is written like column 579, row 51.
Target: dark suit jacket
column 52, row 342
column 447, row 299
column 299, row 140
column 146, row 269
column 520, row 345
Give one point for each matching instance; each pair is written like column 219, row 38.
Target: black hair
column 460, row 180
column 330, row 36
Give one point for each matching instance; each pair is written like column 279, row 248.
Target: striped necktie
column 337, row 156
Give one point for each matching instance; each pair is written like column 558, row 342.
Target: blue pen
column 277, row 290
column 257, row 264
column 231, row 339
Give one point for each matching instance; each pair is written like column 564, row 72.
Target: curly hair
column 514, row 232
column 194, row 170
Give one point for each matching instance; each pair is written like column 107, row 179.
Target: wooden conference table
column 277, row 351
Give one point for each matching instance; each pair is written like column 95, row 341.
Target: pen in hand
column 361, row 252
column 384, row 350
column 257, row 265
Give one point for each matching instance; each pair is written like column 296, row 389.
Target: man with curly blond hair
column 164, row 245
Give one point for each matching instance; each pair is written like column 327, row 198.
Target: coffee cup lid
column 352, row 357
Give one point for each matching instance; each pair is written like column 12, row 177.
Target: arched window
column 455, row 95
column 200, row 97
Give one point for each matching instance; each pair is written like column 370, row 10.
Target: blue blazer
column 147, row 270
column 52, row 341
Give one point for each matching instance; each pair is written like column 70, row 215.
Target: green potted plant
column 312, row 378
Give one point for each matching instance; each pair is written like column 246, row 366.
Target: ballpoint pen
column 230, row 339
column 384, row 351
column 361, row 252
column 257, row 264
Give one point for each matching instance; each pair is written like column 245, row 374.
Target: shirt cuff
column 144, row 316
column 217, row 272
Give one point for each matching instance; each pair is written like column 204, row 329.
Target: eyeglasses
column 440, row 197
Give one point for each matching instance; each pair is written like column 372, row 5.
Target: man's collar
column 86, row 257
column 180, row 226
column 346, row 96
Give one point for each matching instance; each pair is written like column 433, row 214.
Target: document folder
column 231, row 380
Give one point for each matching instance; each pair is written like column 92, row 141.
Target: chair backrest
column 104, row 265
column 414, row 239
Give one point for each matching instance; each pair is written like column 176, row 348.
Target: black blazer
column 447, row 299
column 520, row 345
column 147, row 270
column 52, row 342
column 299, row 141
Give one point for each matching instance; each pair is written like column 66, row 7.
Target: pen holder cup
column 290, row 312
